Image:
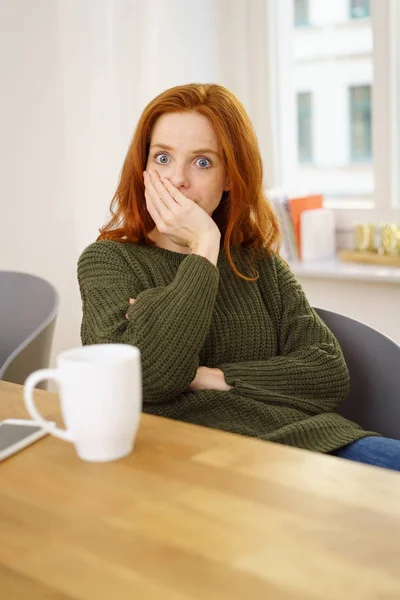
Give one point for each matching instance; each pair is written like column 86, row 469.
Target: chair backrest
column 373, row 361
column 28, row 311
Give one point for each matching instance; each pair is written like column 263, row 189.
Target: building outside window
column 334, row 149
column 349, row 64
column 359, row 9
column 304, row 127
column 360, row 123
column 301, row 13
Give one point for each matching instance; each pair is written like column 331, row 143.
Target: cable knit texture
column 286, row 369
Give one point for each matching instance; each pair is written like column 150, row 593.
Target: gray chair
column 373, row 361
column 28, row 312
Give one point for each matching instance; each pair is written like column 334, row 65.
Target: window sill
column 335, row 269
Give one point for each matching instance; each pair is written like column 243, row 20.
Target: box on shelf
column 317, row 239
column 307, row 228
column 297, row 206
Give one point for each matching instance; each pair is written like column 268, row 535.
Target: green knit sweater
column 286, row 369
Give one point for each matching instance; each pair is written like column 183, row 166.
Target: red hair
column 244, row 216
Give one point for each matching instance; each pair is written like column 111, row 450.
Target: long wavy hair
column 244, row 215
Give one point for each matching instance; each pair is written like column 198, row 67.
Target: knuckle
column 169, row 221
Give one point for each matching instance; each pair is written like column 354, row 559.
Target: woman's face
column 184, row 148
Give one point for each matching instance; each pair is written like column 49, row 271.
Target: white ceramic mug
column 100, row 390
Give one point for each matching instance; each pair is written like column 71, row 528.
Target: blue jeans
column 378, row 451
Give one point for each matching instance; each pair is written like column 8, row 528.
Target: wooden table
column 193, row 513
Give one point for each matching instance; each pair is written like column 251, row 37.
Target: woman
column 187, row 270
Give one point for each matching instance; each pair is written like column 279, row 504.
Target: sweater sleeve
column 168, row 324
column 310, row 372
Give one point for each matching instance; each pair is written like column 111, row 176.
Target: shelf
column 336, row 269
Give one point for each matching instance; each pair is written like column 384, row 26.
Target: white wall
column 376, row 304
column 75, row 76
column 38, row 218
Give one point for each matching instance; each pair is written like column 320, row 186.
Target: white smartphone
column 16, row 434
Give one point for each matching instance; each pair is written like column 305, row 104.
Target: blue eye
column 163, row 158
column 203, row 163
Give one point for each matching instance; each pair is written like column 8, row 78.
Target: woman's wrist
column 224, row 385
column 208, row 246
column 208, row 378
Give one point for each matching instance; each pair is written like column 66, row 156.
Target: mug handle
column 30, row 383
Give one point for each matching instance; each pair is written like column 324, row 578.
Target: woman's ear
column 227, row 185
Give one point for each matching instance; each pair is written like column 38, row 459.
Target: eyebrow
column 199, row 151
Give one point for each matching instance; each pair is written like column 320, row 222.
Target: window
column 304, row 127
column 352, row 71
column 359, row 9
column 301, row 13
column 360, row 123
column 395, row 119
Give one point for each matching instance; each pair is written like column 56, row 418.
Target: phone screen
column 10, row 434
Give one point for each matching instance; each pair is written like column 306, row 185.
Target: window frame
column 385, row 206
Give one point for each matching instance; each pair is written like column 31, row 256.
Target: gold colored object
column 370, row 258
column 365, row 238
column 390, row 239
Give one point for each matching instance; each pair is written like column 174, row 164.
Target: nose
column 179, row 177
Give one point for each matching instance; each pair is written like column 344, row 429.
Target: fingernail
column 132, row 300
